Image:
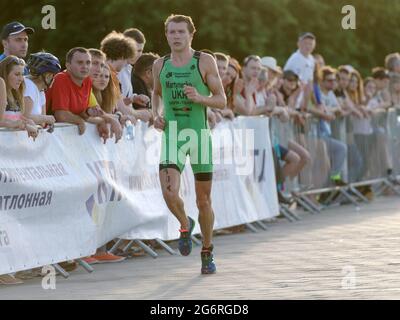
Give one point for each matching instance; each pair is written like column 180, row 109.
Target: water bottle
column 129, row 130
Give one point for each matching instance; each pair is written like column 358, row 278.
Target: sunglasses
column 16, row 60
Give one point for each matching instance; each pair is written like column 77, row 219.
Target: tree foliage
column 236, row 27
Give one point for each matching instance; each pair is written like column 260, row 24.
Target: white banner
column 65, row 195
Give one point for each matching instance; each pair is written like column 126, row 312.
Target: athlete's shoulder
column 207, row 63
column 206, row 57
column 158, row 63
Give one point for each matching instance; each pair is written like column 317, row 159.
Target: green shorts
column 197, row 144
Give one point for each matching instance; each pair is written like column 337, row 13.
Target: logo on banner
column 106, row 176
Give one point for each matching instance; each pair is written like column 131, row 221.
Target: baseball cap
column 13, row 28
column 307, row 35
column 290, row 75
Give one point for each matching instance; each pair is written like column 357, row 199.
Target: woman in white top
column 43, row 67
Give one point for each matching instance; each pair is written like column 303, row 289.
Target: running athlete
column 187, row 81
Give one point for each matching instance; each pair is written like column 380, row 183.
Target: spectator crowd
column 112, row 84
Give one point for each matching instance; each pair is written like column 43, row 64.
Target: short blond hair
column 177, row 18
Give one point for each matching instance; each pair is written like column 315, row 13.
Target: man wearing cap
column 302, row 62
column 14, row 38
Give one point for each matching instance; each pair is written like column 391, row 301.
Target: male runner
column 187, row 81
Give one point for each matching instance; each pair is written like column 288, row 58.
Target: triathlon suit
column 186, row 131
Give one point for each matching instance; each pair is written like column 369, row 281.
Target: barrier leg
column 332, row 197
column 380, row 189
column 146, row 248
column 116, row 245
column 85, row 265
column 310, row 203
column 262, row 225
column 306, row 206
column 128, row 246
column 391, row 186
column 359, row 194
column 349, row 197
column 251, row 227
column 64, row 273
column 166, row 247
column 288, row 214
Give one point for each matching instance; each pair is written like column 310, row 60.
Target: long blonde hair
column 109, row 96
column 357, row 96
column 6, row 66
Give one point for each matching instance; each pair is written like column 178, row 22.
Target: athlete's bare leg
column 170, row 180
column 206, row 213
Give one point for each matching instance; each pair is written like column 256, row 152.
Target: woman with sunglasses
column 12, row 105
column 42, row 67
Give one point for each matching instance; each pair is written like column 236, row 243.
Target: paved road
column 339, row 254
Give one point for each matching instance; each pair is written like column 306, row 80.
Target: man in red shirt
column 70, row 98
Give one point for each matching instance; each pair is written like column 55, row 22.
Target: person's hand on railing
column 103, row 130
column 144, row 115
column 228, row 114
column 270, row 102
column 299, row 118
column 125, row 117
column 281, row 113
column 32, row 130
column 81, row 127
column 357, row 113
column 49, row 120
column 159, row 123
column 339, row 112
column 116, row 130
column 328, row 115
column 218, row 115
column 212, row 120
column 141, row 100
column 364, row 112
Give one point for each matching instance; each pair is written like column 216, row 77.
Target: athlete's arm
column 156, row 98
column 217, row 100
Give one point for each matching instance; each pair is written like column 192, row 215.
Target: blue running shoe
column 207, row 261
column 185, row 240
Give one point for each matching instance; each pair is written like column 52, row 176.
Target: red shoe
column 108, row 258
column 90, row 260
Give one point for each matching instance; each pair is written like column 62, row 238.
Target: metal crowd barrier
column 371, row 145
